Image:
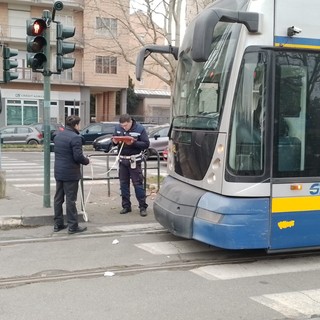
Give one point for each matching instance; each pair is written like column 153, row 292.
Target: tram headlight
column 208, row 215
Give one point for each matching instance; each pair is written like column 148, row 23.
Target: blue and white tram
column 244, row 152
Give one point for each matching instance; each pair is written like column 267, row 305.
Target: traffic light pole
column 46, row 115
column 38, row 58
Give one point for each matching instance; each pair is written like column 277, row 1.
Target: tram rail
column 216, row 257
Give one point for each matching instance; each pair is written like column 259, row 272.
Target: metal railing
column 109, row 174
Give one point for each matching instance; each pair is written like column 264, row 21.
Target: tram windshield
column 201, row 87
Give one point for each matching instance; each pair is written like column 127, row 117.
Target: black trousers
column 125, row 174
column 68, row 190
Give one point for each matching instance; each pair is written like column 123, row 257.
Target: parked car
column 149, row 126
column 104, row 142
column 158, row 136
column 159, row 140
column 21, row 134
column 54, row 127
column 96, row 130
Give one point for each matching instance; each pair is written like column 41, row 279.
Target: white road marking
column 258, row 268
column 131, row 227
column 8, row 165
column 293, row 304
column 174, row 247
column 86, row 182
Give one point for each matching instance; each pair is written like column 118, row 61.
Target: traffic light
column 64, row 47
column 8, row 64
column 36, row 43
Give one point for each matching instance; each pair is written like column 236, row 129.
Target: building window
column 71, row 108
column 106, row 65
column 106, row 26
column 22, row 112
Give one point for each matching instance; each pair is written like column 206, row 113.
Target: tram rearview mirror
column 206, row 23
column 147, row 50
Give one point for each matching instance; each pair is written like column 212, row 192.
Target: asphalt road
column 134, row 269
column 138, row 273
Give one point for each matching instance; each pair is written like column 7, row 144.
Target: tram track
column 215, row 257
column 59, row 275
column 223, row 257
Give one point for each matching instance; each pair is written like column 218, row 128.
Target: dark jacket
column 68, row 155
column 137, row 131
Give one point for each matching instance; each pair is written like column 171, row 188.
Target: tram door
column 295, row 203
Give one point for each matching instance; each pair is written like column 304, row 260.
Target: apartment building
column 98, row 72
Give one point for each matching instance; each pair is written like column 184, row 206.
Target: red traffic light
column 36, row 27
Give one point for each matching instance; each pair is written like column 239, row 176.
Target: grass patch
column 154, row 179
column 22, row 147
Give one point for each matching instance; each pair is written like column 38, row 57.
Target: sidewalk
column 22, row 208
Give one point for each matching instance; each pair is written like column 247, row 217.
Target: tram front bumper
column 175, row 206
column 221, row 221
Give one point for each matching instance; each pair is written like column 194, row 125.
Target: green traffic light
column 64, row 47
column 36, row 44
column 65, row 63
column 8, row 64
column 36, row 61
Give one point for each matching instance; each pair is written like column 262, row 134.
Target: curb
column 32, row 221
column 11, row 221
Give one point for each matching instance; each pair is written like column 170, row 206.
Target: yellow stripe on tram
column 295, row 204
column 297, row 46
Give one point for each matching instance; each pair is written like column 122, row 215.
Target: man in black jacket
column 68, row 157
column 132, row 139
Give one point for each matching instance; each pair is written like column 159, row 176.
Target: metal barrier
column 109, row 168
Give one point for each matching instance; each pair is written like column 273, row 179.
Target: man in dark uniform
column 68, row 157
column 131, row 138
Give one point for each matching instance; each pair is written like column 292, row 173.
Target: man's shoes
column 143, row 212
column 125, row 210
column 77, row 230
column 58, row 228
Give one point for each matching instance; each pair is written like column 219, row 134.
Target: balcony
column 67, row 77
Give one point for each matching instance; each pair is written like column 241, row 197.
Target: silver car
column 159, row 140
column 20, row 134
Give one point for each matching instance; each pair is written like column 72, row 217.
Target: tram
column 244, row 150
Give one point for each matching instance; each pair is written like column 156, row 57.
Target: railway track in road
column 121, row 270
column 212, row 257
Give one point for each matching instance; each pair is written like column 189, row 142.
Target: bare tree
column 146, row 22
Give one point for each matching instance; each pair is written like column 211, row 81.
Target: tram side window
column 246, row 146
column 289, row 121
column 297, row 109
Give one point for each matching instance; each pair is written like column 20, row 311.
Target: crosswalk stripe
column 14, row 165
column 26, row 170
column 24, row 174
column 258, row 268
column 293, row 304
column 19, row 179
column 86, row 182
column 131, row 227
column 174, row 247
